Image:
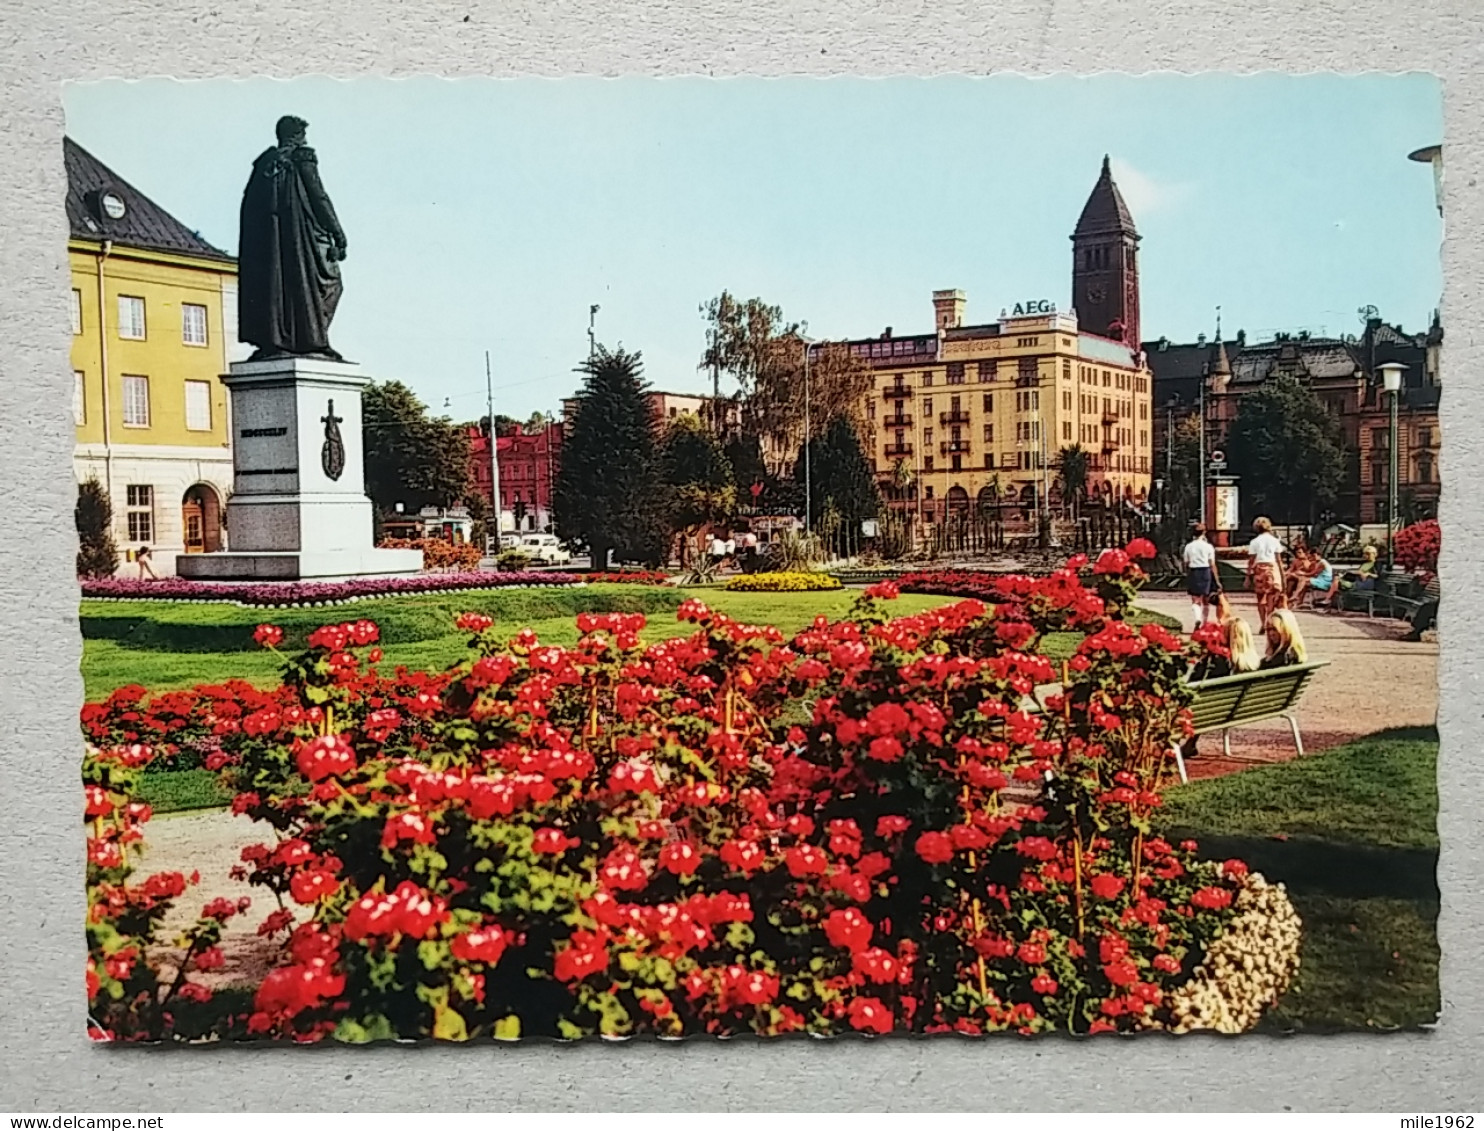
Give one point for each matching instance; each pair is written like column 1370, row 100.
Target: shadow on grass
column 145, row 635
column 1310, row 865
column 1370, row 953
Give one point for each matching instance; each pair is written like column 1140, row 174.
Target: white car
column 545, row 548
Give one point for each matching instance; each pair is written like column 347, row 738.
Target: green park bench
column 1232, row 701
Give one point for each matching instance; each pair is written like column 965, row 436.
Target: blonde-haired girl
column 1285, row 641
column 1245, row 655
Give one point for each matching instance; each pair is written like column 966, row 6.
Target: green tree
column 1289, row 450
column 1072, row 464
column 751, row 342
column 412, row 458
column 608, row 489
column 698, row 479
column 838, row 479
column 97, row 555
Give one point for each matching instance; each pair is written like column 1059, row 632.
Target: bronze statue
column 288, row 253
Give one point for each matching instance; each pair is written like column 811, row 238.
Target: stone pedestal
column 298, row 510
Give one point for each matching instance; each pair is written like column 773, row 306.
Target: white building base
column 309, row 565
column 299, row 510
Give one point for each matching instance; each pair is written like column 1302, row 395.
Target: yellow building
column 979, row 414
column 970, row 416
column 154, row 325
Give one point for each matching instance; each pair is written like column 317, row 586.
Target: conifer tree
column 97, row 555
column 608, row 491
column 839, row 478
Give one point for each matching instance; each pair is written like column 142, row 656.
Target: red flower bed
column 622, row 838
column 1417, row 546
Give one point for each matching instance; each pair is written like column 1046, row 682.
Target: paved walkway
column 1375, row 680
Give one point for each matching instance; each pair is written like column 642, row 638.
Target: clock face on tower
column 1097, row 293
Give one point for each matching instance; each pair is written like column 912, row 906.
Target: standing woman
column 1200, row 575
column 1265, row 570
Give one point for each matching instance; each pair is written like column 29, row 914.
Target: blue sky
column 489, row 214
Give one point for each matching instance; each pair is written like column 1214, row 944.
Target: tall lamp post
column 1391, row 381
column 808, row 476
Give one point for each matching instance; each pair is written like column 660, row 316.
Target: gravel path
column 211, row 841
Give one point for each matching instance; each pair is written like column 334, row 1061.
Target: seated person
column 1242, row 655
column 1301, row 571
column 1285, row 641
column 1322, row 585
column 1426, row 615
column 1360, row 579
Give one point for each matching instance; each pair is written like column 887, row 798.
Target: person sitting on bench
column 1360, row 580
column 1305, row 575
column 1242, row 656
column 1426, row 616
column 1285, row 641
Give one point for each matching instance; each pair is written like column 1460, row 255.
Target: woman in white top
column 1200, row 575
column 1265, row 570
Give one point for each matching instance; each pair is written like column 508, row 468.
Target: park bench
column 1405, row 603
column 1231, row 701
column 1398, row 596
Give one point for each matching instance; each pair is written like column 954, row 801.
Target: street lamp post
column 1391, row 381
column 808, row 477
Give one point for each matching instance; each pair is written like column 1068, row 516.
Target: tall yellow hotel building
column 970, row 416
column 154, row 311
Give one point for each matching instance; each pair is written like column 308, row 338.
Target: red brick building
column 529, row 461
column 1345, row 374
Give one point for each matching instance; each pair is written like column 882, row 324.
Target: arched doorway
column 958, row 501
column 201, row 519
column 989, row 500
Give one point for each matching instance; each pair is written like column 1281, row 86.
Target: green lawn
column 172, row 645
column 1352, row 833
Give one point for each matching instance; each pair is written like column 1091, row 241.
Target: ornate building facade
column 973, row 416
column 1344, row 373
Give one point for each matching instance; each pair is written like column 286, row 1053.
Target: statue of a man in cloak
column 288, row 253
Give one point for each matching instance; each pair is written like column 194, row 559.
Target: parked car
column 545, row 548
column 506, row 542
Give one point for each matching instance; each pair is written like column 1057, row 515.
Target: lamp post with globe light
column 1391, row 381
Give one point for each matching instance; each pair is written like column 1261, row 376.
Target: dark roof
column 1105, row 212
column 144, row 223
column 1179, row 368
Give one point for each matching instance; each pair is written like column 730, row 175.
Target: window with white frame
column 131, row 317
column 136, row 402
column 198, row 406
column 76, row 311
column 140, row 512
column 192, row 324
column 79, row 399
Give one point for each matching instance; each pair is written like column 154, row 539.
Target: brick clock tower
column 1105, row 265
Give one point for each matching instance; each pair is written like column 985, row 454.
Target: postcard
column 668, row 558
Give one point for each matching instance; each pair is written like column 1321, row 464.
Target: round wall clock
column 1096, row 294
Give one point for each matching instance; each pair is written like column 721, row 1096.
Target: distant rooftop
column 143, row 224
